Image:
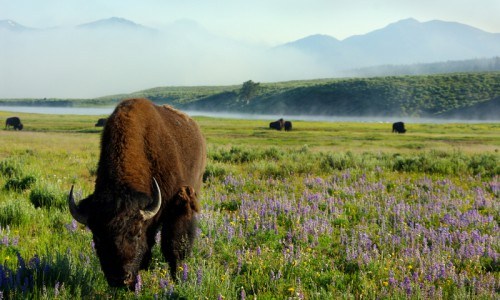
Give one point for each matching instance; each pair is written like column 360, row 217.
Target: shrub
column 47, row 197
column 337, row 161
column 15, row 212
column 234, row 155
column 485, row 164
column 215, row 171
column 20, row 184
column 10, row 168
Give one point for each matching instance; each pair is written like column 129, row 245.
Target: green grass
column 329, row 210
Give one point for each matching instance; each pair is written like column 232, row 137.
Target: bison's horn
column 153, row 209
column 73, row 208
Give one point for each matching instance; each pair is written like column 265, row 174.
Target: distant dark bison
column 14, row 122
column 288, row 125
column 149, row 175
column 101, row 122
column 278, row 125
column 398, row 127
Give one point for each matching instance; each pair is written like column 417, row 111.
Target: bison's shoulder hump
column 172, row 110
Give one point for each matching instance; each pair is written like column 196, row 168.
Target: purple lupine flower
column 242, row 294
column 56, row 289
column 34, row 262
column 26, row 284
column 199, row 276
column 240, row 261
column 184, row 272
column 163, row 283
column 138, row 285
column 392, row 280
column 72, row 226
column 20, row 262
column 406, row 285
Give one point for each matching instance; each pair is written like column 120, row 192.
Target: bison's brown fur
column 142, row 142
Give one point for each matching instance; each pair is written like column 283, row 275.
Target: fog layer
column 86, row 63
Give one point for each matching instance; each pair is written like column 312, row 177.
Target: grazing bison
column 101, row 122
column 15, row 122
column 278, row 125
column 288, row 126
column 398, row 127
column 149, row 175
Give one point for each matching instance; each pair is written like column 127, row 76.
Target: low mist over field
column 116, row 55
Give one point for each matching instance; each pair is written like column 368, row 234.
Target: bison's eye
column 134, row 234
column 97, row 240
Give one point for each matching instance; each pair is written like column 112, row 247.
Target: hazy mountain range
column 404, row 42
column 116, row 55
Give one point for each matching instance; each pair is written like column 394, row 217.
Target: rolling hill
column 461, row 95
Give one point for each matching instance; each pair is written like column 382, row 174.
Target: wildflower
column 392, row 280
column 163, row 283
column 407, row 285
column 72, row 226
column 385, row 283
column 184, row 272
column 56, row 289
column 138, row 285
column 291, row 290
column 20, row 261
column 242, row 294
column 199, row 276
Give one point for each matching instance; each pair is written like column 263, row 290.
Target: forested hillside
column 416, row 96
column 458, row 95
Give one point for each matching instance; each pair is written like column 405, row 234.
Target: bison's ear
column 186, row 197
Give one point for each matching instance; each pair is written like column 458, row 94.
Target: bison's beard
column 121, row 269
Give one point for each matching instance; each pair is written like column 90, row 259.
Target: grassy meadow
column 326, row 211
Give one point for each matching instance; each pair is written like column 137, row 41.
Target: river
column 103, row 111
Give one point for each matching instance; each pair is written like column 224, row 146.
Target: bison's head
column 121, row 239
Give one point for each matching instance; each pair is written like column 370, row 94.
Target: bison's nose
column 116, row 282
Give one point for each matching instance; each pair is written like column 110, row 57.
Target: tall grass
column 283, row 215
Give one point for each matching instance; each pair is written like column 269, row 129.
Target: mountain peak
column 408, row 21
column 12, row 26
column 112, row 23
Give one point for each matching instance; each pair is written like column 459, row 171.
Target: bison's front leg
column 179, row 229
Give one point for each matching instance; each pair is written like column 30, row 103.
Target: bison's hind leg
column 179, row 229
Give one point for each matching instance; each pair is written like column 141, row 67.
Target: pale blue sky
column 268, row 22
column 57, row 64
